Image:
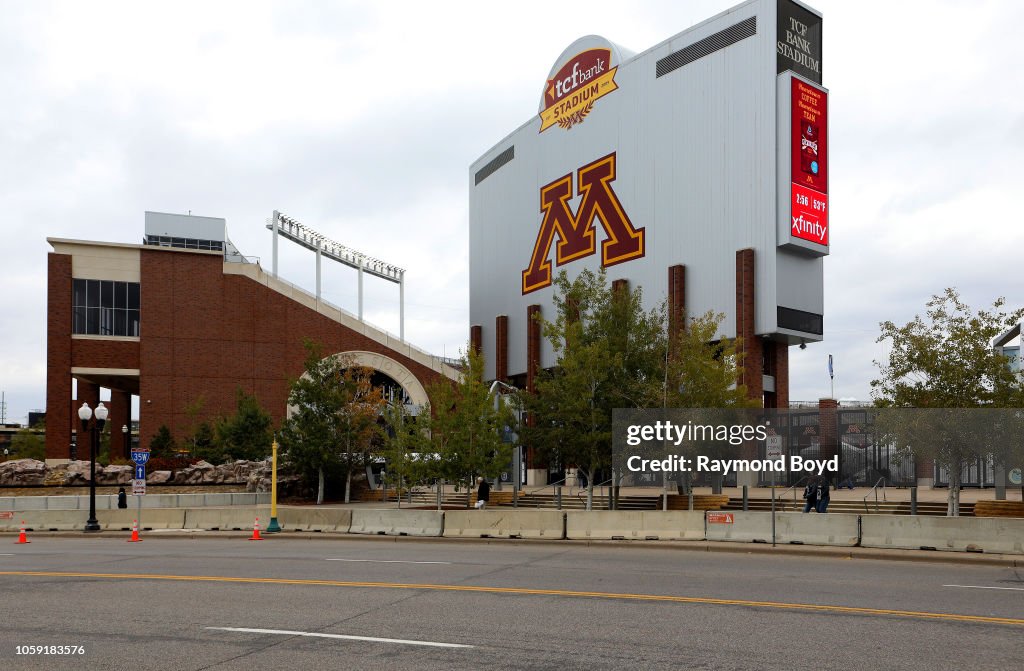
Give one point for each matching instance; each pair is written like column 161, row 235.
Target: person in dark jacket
column 822, row 492
column 810, row 497
column 483, row 493
column 122, row 498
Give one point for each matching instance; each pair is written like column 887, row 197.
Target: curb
column 789, row 550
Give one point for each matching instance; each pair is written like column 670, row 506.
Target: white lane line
column 372, row 639
column 1012, row 589
column 388, row 561
column 6, row 554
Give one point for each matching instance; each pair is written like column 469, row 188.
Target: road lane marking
column 372, row 639
column 1012, row 589
column 388, row 561
column 6, row 554
column 950, row 617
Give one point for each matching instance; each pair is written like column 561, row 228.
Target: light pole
column 125, row 445
column 85, row 414
column 274, row 525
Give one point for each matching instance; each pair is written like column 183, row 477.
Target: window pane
column 78, row 293
column 133, row 295
column 216, row 244
column 191, row 243
column 78, row 322
column 178, row 242
column 133, row 323
column 93, row 297
column 92, row 316
column 120, row 295
column 106, row 321
column 106, row 294
column 120, row 322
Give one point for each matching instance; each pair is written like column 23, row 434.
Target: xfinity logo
column 804, row 227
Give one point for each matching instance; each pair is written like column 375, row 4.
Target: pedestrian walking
column 810, row 497
column 483, row 493
column 822, row 495
column 122, row 498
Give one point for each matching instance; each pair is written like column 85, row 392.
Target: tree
column 162, row 443
column 247, row 434
column 945, row 361
column 29, row 444
column 405, row 449
column 466, row 423
column 610, row 353
column 335, row 418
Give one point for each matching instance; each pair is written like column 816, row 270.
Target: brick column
column 676, row 300
column 620, row 285
column 781, row 375
column 828, row 425
column 476, row 338
column 534, row 470
column 120, row 416
column 59, row 418
column 750, row 345
column 501, row 348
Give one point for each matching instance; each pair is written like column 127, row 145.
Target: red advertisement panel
column 810, row 136
column 809, row 210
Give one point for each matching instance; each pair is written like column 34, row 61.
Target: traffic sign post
column 140, row 456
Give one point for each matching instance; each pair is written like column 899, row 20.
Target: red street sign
column 6, row 515
column 720, row 518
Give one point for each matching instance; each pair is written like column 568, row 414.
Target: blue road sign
column 140, row 471
column 140, row 456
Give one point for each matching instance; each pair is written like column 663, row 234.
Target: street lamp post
column 85, row 413
column 125, row 445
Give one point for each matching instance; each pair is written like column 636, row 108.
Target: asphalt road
column 226, row 604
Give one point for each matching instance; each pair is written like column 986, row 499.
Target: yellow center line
column 951, row 617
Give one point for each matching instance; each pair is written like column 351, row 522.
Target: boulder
column 158, row 477
column 71, row 473
column 22, row 473
column 120, row 474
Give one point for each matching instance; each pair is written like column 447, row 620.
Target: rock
column 120, row 474
column 71, row 473
column 22, row 472
column 158, row 477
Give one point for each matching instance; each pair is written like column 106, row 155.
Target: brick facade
column 204, row 335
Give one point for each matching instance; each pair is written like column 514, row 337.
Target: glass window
column 92, row 321
column 93, row 293
column 105, row 307
column 191, row 243
column 120, row 295
column 133, row 295
column 78, row 293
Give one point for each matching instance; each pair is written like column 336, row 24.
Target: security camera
column 803, row 345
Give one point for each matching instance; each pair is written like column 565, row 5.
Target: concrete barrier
column 313, row 519
column 814, row 529
column 209, row 499
column 74, row 520
column 225, row 519
column 960, row 534
column 504, row 524
column 635, row 525
column 744, row 527
column 398, row 522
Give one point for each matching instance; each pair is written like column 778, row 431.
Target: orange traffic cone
column 22, row 538
column 256, row 531
column 135, row 533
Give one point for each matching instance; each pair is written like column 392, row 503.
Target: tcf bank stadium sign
column 573, row 89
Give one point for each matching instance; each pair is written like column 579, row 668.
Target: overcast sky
column 361, row 119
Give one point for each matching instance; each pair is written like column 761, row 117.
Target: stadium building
column 697, row 170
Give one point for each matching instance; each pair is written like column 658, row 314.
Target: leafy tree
column 28, row 444
column 247, row 434
column 945, row 361
column 609, row 354
column 466, row 424
column 203, row 444
column 162, row 443
column 405, row 449
column 335, row 419
column 361, row 404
